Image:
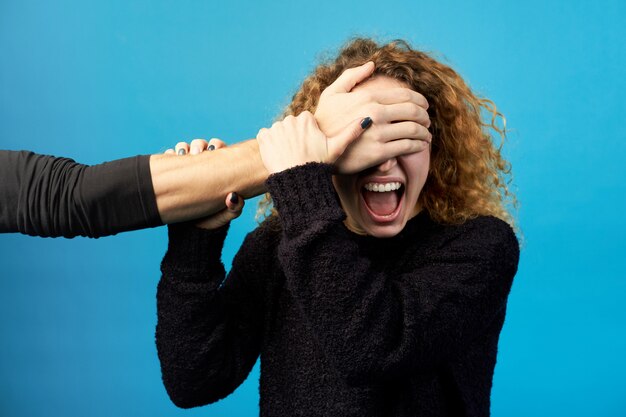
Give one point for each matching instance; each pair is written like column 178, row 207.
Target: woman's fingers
column 402, row 147
column 215, row 143
column 182, row 148
column 403, row 130
column 398, row 95
column 408, row 111
column 200, row 145
column 381, row 142
column 197, row 146
column 234, row 203
column 234, row 206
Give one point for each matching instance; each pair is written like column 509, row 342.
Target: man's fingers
column 170, row 152
column 350, row 77
column 399, row 95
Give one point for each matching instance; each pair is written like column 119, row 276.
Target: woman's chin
column 384, row 230
column 367, row 227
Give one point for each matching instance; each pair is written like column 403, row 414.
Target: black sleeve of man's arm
column 47, row 196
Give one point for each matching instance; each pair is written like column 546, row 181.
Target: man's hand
column 399, row 115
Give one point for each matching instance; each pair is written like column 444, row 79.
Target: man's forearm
column 193, row 186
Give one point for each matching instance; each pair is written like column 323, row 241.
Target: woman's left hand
column 234, row 202
column 297, row 140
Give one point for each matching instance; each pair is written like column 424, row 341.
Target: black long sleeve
column 47, row 196
column 206, row 342
column 345, row 324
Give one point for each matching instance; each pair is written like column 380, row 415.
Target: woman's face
column 379, row 201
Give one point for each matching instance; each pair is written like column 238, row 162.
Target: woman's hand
column 399, row 115
column 195, row 147
column 298, row 140
column 234, row 202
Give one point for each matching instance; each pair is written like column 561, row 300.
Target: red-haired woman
column 369, row 291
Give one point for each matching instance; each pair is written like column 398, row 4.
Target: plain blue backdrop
column 102, row 80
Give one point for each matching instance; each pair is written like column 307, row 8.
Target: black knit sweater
column 345, row 325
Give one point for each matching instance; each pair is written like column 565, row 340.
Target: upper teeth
column 382, row 188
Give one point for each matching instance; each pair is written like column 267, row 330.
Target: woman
column 378, row 293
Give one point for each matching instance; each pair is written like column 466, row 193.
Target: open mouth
column 383, row 200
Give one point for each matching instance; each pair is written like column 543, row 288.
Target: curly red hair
column 468, row 175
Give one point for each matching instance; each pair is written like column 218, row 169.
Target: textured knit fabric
column 345, row 325
column 42, row 195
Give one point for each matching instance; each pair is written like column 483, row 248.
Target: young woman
column 378, row 292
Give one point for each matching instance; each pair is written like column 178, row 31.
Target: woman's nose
column 387, row 165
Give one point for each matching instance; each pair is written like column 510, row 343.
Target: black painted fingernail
column 182, row 151
column 211, row 148
column 234, row 198
column 365, row 123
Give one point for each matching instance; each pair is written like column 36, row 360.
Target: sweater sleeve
column 47, row 196
column 209, row 329
column 373, row 324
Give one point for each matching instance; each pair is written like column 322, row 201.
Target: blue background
column 112, row 79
